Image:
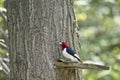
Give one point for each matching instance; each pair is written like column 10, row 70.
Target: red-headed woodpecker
column 69, row 53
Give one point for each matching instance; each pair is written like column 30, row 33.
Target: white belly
column 68, row 56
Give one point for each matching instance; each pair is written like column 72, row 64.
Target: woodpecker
column 69, row 53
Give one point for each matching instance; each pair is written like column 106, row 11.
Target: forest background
column 99, row 30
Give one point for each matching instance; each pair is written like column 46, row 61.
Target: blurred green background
column 99, row 23
column 4, row 56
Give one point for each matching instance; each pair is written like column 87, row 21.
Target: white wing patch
column 77, row 56
column 68, row 56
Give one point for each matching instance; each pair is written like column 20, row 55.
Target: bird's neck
column 63, row 48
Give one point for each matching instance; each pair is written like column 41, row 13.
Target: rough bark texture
column 35, row 29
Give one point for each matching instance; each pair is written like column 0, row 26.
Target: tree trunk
column 35, row 29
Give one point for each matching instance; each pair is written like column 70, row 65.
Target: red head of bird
column 64, row 45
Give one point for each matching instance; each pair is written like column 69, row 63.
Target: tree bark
column 35, row 29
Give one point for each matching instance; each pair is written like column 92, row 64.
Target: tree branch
column 73, row 65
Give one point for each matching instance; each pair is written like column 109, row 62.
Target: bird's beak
column 60, row 43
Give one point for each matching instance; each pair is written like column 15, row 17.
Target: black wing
column 70, row 51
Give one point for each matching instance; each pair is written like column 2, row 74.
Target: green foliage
column 100, row 36
column 4, row 70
